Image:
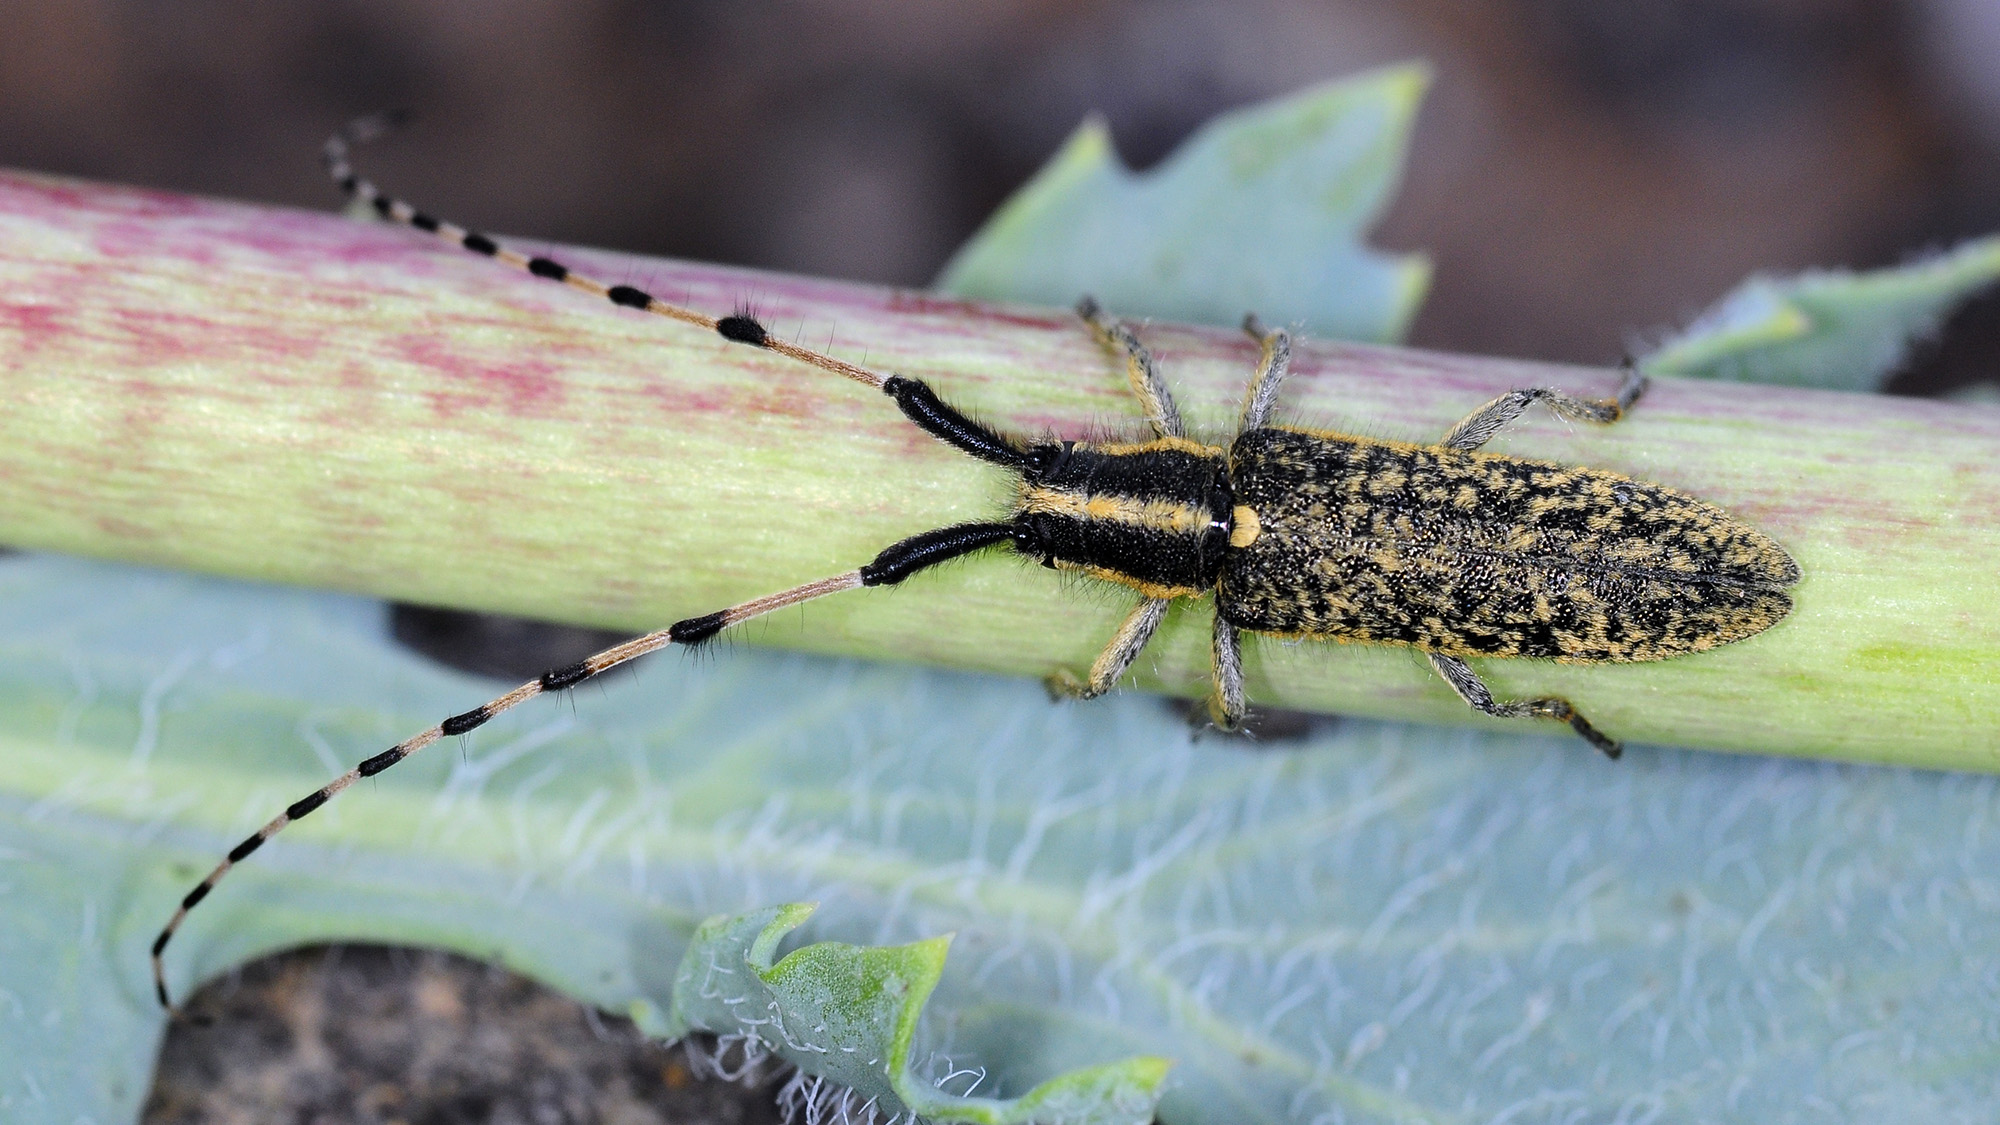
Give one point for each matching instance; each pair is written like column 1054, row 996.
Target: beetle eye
column 1045, row 461
column 1033, row 538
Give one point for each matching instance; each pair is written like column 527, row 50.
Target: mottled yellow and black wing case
column 1475, row 554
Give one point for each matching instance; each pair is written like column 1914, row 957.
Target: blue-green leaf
column 1381, row 923
column 1827, row 328
column 1263, row 210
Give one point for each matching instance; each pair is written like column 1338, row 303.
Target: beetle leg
column 1271, row 367
column 1483, row 423
column 1226, row 706
column 1116, row 657
column 1139, row 369
column 1469, row 688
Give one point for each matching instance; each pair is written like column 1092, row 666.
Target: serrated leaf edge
column 1089, row 153
column 1111, row 1093
column 1795, row 308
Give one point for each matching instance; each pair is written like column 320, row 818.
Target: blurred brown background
column 1585, row 175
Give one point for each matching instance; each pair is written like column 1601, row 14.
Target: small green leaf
column 1261, row 210
column 1826, row 328
column 848, row 1014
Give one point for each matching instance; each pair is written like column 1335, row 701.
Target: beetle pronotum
column 1296, row 532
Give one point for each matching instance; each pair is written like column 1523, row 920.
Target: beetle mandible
column 1296, row 532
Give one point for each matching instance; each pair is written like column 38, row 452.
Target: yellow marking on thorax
column 1160, row 515
column 1247, row 527
column 1178, row 444
column 1148, row 589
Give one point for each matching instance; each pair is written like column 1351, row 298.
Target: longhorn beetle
column 1298, row 533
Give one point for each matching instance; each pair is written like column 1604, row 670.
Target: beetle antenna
column 895, row 563
column 913, row 397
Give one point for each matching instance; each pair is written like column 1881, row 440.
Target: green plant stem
column 296, row 397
